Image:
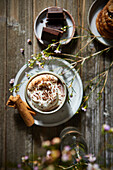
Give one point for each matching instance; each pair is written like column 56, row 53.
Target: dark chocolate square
column 49, row 34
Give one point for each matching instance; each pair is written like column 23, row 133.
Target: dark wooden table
column 16, row 26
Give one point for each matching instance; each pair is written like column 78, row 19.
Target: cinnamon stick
column 24, row 110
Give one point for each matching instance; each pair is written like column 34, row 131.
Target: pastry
column 104, row 21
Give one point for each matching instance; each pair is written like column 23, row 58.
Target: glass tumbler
column 74, row 140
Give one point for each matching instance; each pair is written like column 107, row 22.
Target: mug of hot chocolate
column 46, row 92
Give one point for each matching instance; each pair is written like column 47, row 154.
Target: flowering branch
column 76, row 61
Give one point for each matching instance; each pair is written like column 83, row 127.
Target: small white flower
column 57, row 51
column 48, row 153
column 65, row 157
column 84, row 109
column 22, row 50
column 92, row 159
column 43, row 55
column 67, row 148
column 12, row 81
column 39, row 64
column 27, row 75
column 53, row 45
column 93, row 167
column 34, row 58
column 29, row 41
column 106, row 113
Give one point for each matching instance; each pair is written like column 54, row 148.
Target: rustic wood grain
column 16, row 27
column 108, row 105
column 19, row 29
column 2, row 82
column 91, row 126
column 15, row 60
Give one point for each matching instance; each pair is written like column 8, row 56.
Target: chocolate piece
column 55, row 12
column 56, row 16
column 49, row 34
column 54, row 26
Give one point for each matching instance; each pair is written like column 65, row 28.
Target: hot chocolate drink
column 46, row 92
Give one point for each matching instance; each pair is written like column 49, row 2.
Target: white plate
column 69, row 108
column 40, row 22
column 95, row 8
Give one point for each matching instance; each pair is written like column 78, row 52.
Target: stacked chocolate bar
column 56, row 20
column 104, row 21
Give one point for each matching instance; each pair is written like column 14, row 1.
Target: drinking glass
column 73, row 138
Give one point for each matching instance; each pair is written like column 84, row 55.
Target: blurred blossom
column 73, row 152
column 35, row 168
column 78, row 159
column 67, row 148
column 55, row 154
column 43, row 160
column 106, row 127
column 55, row 141
column 19, row 165
column 57, row 51
column 46, row 143
column 50, row 167
column 93, row 167
column 111, row 130
column 11, row 82
column 48, row 154
column 92, row 159
column 26, row 157
column 23, row 159
column 35, row 162
column 66, row 157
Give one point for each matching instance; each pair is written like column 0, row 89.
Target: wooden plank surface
column 16, row 135
column 16, row 27
column 2, row 82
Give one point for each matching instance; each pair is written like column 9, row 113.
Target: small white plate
column 40, row 22
column 58, row 66
column 95, row 8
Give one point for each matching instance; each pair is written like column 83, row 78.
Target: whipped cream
column 45, row 92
